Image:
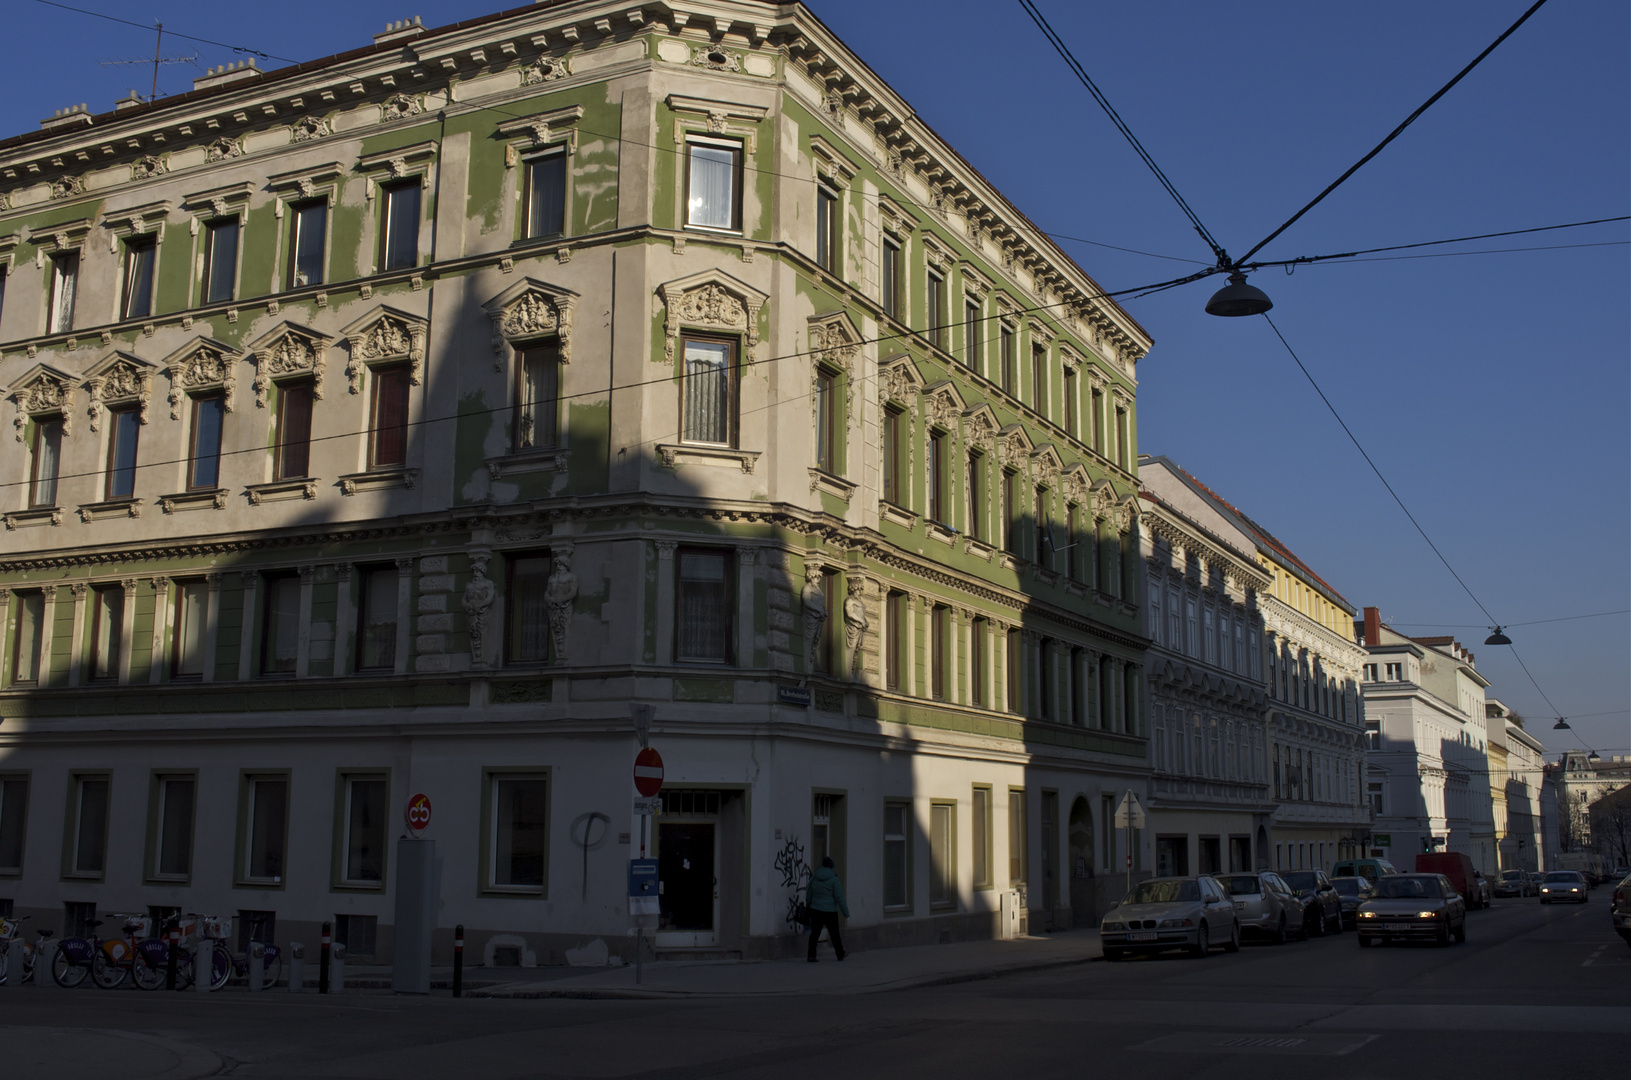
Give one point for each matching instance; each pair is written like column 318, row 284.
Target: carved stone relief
column 559, row 595
column 66, row 187
column 205, row 368
column 117, row 384
column 533, row 314
column 221, row 149
column 399, row 105
column 479, row 594
column 815, row 612
column 43, row 392
column 308, row 127
column 856, row 624
column 382, row 339
column 291, row 354
column 711, row 305
column 545, row 69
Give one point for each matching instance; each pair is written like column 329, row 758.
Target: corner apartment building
column 1517, row 763
column 391, row 423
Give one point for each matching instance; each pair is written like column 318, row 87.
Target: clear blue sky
column 1493, row 390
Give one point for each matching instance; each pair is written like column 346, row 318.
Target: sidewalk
column 860, row 973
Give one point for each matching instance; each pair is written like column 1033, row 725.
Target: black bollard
column 172, row 935
column 322, row 958
column 458, row 960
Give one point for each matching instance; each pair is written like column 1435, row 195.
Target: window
column 1042, row 524
column 174, row 800
column 940, row 651
column 939, row 504
column 64, row 286
column 1039, row 378
column 1373, row 735
column 1015, row 660
column 46, row 461
column 1395, row 673
column 204, row 460
column 1005, row 348
column 107, row 631
column 308, row 238
column 546, row 194
column 1192, row 639
column 363, row 842
column 1046, row 705
column 890, row 276
column 1256, row 655
column 89, row 833
column 976, row 661
column 709, row 392
column 1097, row 420
column 377, row 618
column 140, row 255
column 935, row 309
column 124, row 431
column 1071, row 427
column 897, row 856
column 1239, row 658
column 1376, row 793
column 358, row 933
column 280, row 625
column 826, row 228
column 1011, row 538
column 705, row 625
column 27, row 636
column 972, row 331
column 537, row 396
column 1017, row 836
column 388, row 432
column 1078, row 700
column 265, row 828
column 894, row 449
column 13, row 824
column 518, row 844
column 400, row 243
column 713, row 199
column 975, row 486
column 1121, row 438
column 220, row 260
column 895, row 616
column 294, row 429
column 527, row 607
column 192, row 618
column 1279, row 774
column 981, row 845
column 1209, row 636
column 942, row 856
column 827, row 429
column 1154, row 609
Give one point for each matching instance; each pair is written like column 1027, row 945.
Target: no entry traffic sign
column 418, row 813
column 648, row 772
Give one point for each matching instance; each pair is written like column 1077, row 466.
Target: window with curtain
column 90, row 836
column 204, row 459
column 942, row 856
column 713, row 185
column 141, row 252
column 1017, row 836
column 364, row 840
column 939, row 505
column 46, row 461
column 377, row 613
column 527, row 606
column 28, row 628
column 294, row 429
column 537, row 396
column 64, row 287
column 280, row 624
column 308, row 238
column 826, row 228
column 546, row 194
column 266, row 828
column 191, row 620
column 894, row 451
column 220, row 260
column 981, row 838
column 708, row 392
column 704, row 597
column 124, row 431
column 399, row 234
column 107, row 631
column 827, row 426
column 388, row 429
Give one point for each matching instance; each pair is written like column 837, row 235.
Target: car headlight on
column 1545, row 888
column 1426, row 914
column 1367, row 914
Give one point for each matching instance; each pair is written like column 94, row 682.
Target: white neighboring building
column 1516, row 772
column 1210, row 805
column 1429, row 760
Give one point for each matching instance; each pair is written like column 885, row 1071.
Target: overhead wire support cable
column 188, row 37
column 1394, row 133
column 1121, row 125
column 1305, row 259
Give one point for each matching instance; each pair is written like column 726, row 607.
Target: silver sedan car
column 1191, row 913
column 1264, row 905
column 1565, row 885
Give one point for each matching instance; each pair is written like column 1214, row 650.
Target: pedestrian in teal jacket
column 824, row 896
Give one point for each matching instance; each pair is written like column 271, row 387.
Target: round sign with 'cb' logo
column 418, row 813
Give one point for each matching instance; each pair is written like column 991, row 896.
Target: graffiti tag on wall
column 795, row 872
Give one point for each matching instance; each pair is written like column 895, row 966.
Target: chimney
column 1373, row 626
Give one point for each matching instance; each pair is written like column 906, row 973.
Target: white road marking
column 1587, row 961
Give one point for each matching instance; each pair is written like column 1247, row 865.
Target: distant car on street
column 1192, row 913
column 1413, row 907
column 1564, row 885
column 1374, row 869
column 1519, row 883
column 1456, row 866
column 1353, row 891
column 1264, row 904
column 1620, row 910
column 1322, row 904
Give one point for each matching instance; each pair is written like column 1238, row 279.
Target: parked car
column 1353, row 891
column 1456, row 866
column 1620, row 910
column 1564, row 885
column 1413, row 907
column 1481, row 886
column 1192, row 913
column 1264, row 905
column 1374, row 869
column 1519, row 883
column 1322, row 904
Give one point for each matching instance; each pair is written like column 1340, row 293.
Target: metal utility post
column 648, row 781
column 458, row 960
column 1130, row 816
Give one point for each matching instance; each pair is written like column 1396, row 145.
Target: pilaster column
column 246, row 634
column 5, row 628
column 345, row 620
column 665, row 601
column 48, row 619
column 302, row 663
column 127, row 628
column 160, row 651
column 745, row 600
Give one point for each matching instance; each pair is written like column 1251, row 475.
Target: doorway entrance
column 699, row 869
column 1082, row 908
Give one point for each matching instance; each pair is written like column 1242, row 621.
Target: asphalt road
column 1534, row 991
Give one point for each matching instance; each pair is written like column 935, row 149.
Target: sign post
column 643, row 882
column 1129, row 816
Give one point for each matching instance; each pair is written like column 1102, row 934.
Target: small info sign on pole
column 1129, row 816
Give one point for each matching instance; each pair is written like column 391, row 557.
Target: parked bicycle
column 224, row 965
column 11, row 930
column 109, row 962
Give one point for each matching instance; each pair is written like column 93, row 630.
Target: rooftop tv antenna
column 158, row 46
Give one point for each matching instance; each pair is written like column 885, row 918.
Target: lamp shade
column 1497, row 638
column 1238, row 298
column 1562, row 724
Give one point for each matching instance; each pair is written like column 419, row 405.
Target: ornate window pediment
column 899, row 380
column 1014, row 446
column 1078, row 484
column 385, row 336
column 1112, row 507
column 136, row 221
column 529, row 310
column 715, row 117
column 1047, row 464
column 199, row 367
column 943, row 404
column 399, row 164
column 58, row 238
column 711, row 300
column 982, row 426
column 217, row 202
column 289, row 350
column 834, row 341
column 314, row 181
column 43, row 391
column 118, row 379
column 525, row 134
